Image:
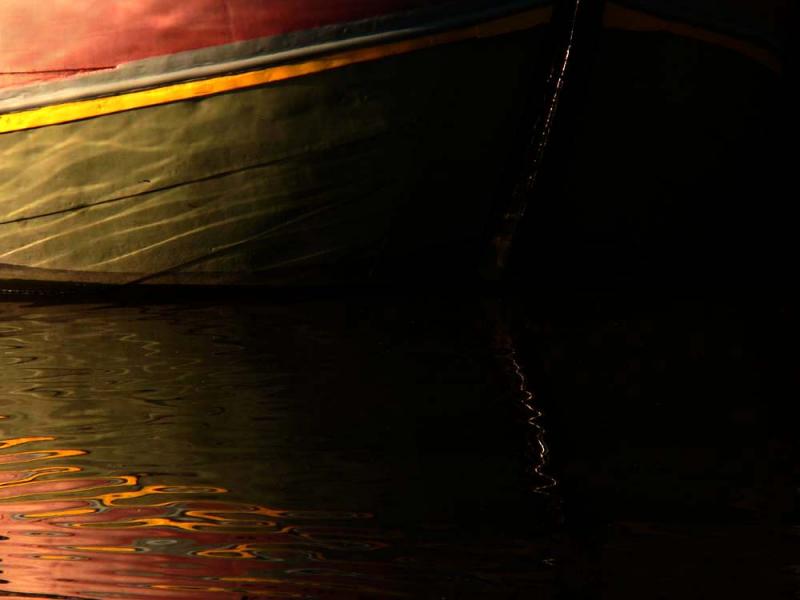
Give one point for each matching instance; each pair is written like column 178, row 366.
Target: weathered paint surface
column 64, row 37
column 189, row 90
column 337, row 168
column 228, row 179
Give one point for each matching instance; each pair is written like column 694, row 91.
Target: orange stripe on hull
column 86, row 109
column 619, row 17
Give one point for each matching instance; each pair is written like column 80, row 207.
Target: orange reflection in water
column 71, row 535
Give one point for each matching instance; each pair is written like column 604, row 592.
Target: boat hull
column 348, row 174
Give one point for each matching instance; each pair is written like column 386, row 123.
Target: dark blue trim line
column 260, row 53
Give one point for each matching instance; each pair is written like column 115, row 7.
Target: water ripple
column 193, row 452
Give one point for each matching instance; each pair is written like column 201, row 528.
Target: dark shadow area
column 670, row 166
column 672, row 428
column 388, row 445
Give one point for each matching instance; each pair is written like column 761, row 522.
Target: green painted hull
column 366, row 171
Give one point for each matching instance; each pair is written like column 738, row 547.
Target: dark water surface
column 378, row 447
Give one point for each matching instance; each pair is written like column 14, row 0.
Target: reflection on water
column 397, row 447
column 538, row 451
column 249, row 451
column 154, row 539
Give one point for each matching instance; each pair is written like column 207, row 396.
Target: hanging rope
column 572, row 11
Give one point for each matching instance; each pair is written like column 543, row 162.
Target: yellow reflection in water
column 36, row 474
column 5, row 444
column 37, row 455
column 60, row 513
column 64, row 513
column 112, row 498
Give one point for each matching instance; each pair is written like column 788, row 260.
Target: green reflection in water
column 146, row 449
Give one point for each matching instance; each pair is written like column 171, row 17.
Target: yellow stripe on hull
column 87, row 109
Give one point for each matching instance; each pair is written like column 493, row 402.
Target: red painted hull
column 74, row 36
